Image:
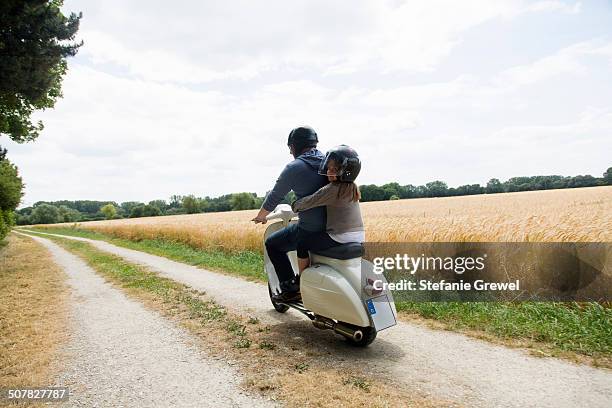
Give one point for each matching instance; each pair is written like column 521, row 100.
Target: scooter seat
column 344, row 251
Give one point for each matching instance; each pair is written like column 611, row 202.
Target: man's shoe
column 292, row 285
column 288, row 297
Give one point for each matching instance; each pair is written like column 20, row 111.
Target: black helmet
column 301, row 138
column 348, row 161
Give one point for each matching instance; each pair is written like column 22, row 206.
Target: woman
column 341, row 197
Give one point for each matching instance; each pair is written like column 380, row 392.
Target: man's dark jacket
column 302, row 176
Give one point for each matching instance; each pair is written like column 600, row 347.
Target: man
column 302, row 177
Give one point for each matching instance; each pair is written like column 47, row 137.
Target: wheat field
column 582, row 214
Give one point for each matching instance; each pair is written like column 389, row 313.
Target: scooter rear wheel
column 280, row 308
column 369, row 335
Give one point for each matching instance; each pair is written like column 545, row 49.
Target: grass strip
column 585, row 328
column 247, row 264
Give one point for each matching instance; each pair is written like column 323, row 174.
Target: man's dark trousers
column 277, row 245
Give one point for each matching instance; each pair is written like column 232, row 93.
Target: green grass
column 358, row 382
column 245, row 263
column 582, row 328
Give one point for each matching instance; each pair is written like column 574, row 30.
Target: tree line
column 394, row 191
column 45, row 212
column 51, row 212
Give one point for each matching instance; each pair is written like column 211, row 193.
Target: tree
column 408, row 191
column 391, row 189
column 191, row 204
column 494, row 186
column 421, row 191
column 150, row 211
column 160, row 204
column 203, row 204
column 126, row 207
column 607, row 176
column 436, row 188
column 137, row 211
column 6, row 221
column 11, row 191
column 372, row 192
column 109, row 211
column 175, row 201
column 67, row 214
column 22, row 219
column 243, row 201
column 469, row 189
column 44, row 214
column 11, row 186
column 34, row 42
column 582, row 181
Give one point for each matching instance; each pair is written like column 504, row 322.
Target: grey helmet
column 348, row 161
column 301, row 138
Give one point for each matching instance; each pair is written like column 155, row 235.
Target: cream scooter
column 336, row 289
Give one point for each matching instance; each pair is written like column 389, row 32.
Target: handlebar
column 283, row 212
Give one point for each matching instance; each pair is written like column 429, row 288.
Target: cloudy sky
column 198, row 96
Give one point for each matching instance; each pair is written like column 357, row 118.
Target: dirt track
column 440, row 363
column 121, row 354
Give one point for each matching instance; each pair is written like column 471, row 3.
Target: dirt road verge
column 33, row 313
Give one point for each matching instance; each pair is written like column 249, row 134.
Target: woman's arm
column 323, row 196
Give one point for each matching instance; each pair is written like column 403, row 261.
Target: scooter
column 337, row 291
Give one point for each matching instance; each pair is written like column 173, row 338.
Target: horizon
column 264, row 195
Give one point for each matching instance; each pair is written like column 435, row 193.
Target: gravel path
column 441, row 363
column 121, row 354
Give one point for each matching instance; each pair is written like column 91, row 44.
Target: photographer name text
column 442, row 285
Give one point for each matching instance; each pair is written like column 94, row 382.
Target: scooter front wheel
column 280, row 308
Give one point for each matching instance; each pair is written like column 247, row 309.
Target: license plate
column 381, row 312
column 371, row 307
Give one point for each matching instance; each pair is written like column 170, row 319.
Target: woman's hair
column 349, row 191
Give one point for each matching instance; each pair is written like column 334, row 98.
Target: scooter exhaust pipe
column 349, row 332
column 340, row 328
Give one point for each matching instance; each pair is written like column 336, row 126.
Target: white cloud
column 569, row 60
column 209, row 41
column 157, row 65
column 554, row 5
